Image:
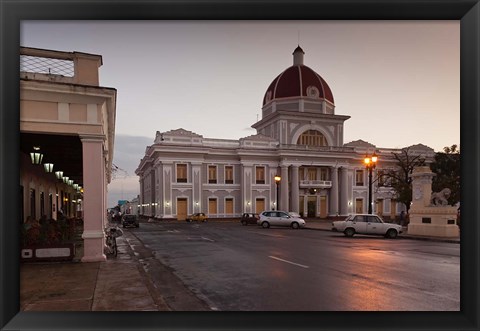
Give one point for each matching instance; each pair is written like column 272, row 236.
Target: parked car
column 366, row 224
column 280, row 218
column 249, row 218
column 294, row 214
column 130, row 220
column 199, row 217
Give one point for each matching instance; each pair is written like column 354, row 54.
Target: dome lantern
column 298, row 54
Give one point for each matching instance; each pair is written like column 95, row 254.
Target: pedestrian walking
column 402, row 218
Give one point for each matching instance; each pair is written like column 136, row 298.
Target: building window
column 181, row 173
column 228, row 174
column 260, row 175
column 312, row 173
column 212, row 174
column 312, row 138
column 323, row 174
column 359, row 178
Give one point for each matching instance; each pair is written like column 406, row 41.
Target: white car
column 280, row 218
column 366, row 224
column 294, row 214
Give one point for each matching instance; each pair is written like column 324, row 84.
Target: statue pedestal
column 435, row 221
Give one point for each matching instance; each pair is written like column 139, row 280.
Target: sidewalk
column 119, row 284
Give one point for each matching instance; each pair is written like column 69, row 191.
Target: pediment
column 259, row 137
column 182, row 132
column 359, row 143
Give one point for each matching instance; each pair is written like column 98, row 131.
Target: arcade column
column 94, row 209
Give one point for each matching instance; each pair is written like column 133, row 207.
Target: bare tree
column 399, row 179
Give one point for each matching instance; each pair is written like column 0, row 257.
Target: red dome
column 298, row 81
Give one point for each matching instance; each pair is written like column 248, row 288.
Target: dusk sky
column 398, row 80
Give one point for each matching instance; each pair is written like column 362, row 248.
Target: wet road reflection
column 232, row 267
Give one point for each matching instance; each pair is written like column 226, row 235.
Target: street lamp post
column 277, row 182
column 370, row 164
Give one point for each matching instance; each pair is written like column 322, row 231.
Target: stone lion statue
column 440, row 198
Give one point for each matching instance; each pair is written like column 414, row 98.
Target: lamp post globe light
column 370, row 164
column 277, row 182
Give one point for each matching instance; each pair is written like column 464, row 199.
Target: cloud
column 129, row 150
column 127, row 153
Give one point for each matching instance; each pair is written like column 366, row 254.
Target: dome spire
column 298, row 56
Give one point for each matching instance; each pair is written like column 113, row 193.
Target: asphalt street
column 229, row 267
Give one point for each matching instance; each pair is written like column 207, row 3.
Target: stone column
column 158, row 195
column 273, row 171
column 421, row 187
column 246, row 185
column 142, row 198
column 153, row 199
column 284, row 203
column 197, row 187
column 168, row 175
column 295, row 191
column 427, row 219
column 334, row 192
column 344, row 192
column 94, row 210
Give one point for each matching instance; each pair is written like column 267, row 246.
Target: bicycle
column 111, row 235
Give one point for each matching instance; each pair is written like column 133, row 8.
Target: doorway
column 182, row 206
column 312, row 206
column 359, row 206
column 259, row 205
column 379, row 207
column 393, row 209
column 323, row 206
column 229, row 206
column 212, row 206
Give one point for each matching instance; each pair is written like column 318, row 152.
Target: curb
column 451, row 241
column 412, row 237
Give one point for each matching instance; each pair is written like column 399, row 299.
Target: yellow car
column 199, row 217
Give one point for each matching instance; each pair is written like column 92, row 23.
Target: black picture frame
column 12, row 12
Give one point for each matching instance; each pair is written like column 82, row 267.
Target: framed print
column 312, row 201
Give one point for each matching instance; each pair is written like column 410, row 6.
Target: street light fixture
column 36, row 155
column 48, row 167
column 370, row 164
column 59, row 174
column 277, row 182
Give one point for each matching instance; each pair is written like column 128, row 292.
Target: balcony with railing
column 316, row 148
column 315, row 183
column 59, row 67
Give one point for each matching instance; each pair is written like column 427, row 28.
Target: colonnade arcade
column 314, row 190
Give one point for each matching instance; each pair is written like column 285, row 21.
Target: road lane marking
column 269, row 235
column 279, row 259
column 202, row 238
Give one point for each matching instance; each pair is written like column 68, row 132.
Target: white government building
column 299, row 138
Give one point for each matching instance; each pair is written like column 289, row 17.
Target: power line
column 116, row 170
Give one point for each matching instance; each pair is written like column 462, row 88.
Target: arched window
column 312, row 138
